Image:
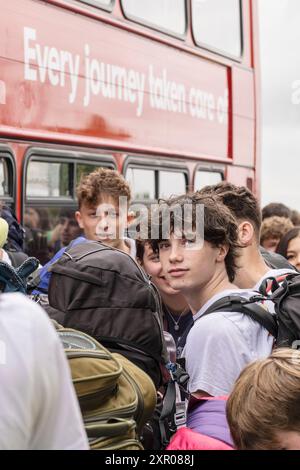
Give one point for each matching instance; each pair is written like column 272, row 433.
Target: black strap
column 235, row 303
column 168, row 411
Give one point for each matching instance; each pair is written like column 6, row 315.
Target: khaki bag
column 113, row 434
column 116, row 397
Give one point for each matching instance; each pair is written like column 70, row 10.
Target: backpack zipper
column 92, row 399
column 141, row 403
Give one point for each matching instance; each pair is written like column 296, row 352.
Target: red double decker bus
column 165, row 91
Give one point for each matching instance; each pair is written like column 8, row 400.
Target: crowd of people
column 243, row 388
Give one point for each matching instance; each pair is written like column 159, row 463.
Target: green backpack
column 115, row 396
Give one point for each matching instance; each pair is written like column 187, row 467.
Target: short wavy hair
column 220, row 226
column 240, row 200
column 265, row 399
column 102, row 181
column 274, row 227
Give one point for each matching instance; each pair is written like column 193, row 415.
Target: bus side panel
column 72, row 77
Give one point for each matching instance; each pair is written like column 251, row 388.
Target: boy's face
column 152, row 265
column 187, row 266
column 288, row 440
column 105, row 222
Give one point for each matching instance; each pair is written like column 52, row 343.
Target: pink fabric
column 186, row 439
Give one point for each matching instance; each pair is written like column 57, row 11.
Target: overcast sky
column 280, row 71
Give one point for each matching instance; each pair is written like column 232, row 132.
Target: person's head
column 295, row 217
column 69, row 226
column 263, row 409
column 276, row 208
column 32, row 218
column 191, row 260
column 100, row 214
column 289, row 246
column 150, row 261
column 272, row 230
column 37, row 218
column 244, row 206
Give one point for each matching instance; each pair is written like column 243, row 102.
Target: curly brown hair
column 220, row 227
column 102, row 181
column 240, row 200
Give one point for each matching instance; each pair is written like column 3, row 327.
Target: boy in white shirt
column 252, row 268
column 220, row 344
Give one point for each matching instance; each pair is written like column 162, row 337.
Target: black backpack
column 103, row 292
column 275, row 261
column 284, row 292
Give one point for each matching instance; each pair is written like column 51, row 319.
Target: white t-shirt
column 221, row 344
column 38, row 405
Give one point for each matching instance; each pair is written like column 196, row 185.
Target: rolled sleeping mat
column 3, row 232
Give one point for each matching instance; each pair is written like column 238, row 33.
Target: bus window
column 48, row 229
column 171, row 183
column 217, row 25
column 48, row 179
column 4, row 178
column 206, row 178
column 49, row 188
column 142, row 183
column 84, row 169
column 167, row 15
column 106, row 4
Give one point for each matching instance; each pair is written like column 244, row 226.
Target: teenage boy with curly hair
column 202, row 267
column 100, row 214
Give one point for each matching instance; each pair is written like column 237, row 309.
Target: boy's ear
column 78, row 219
column 223, row 250
column 246, row 233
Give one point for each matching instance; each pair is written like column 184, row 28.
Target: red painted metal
column 147, row 93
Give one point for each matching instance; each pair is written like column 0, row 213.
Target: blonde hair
column 264, row 400
column 275, row 227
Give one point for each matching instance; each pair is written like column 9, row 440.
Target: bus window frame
column 209, row 169
column 7, row 153
column 219, row 52
column 93, row 3
column 134, row 19
column 60, row 156
column 156, row 165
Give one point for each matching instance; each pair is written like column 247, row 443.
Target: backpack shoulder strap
column 16, row 257
column 248, row 307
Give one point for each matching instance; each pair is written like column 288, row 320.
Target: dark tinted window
column 217, row 25
column 171, row 183
column 206, row 178
column 84, row 169
column 168, row 15
column 48, row 229
column 50, row 204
